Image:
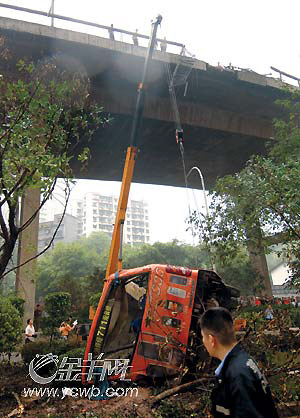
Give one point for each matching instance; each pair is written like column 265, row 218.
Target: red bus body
column 146, row 315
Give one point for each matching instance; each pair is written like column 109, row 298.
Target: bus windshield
column 124, row 309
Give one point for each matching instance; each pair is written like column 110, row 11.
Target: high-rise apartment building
column 67, row 232
column 96, row 212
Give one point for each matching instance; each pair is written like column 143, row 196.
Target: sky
column 255, row 35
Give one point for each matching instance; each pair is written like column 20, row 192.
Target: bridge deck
column 226, row 114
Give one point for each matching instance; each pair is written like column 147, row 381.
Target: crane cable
column 179, row 130
column 189, row 62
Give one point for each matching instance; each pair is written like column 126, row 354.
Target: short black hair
column 218, row 322
column 28, row 320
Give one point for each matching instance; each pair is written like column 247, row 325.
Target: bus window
column 171, row 322
column 148, row 350
column 123, row 316
column 173, row 306
column 178, row 280
column 176, row 292
column 172, row 356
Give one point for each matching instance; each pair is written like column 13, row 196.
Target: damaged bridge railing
column 111, row 30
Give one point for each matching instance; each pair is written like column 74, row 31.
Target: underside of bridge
column 215, row 152
column 226, row 114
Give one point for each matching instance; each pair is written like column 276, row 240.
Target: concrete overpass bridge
column 226, row 114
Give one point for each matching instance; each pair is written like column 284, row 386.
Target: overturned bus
column 149, row 315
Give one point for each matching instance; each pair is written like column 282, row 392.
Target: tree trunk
column 258, row 260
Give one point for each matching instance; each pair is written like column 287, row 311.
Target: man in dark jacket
column 241, row 389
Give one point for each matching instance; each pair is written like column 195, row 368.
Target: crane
column 115, row 255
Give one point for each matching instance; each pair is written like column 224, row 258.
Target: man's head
column 29, row 321
column 217, row 331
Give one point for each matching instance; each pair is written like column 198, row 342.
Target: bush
column 57, row 306
column 74, row 353
column 11, row 326
column 94, row 299
column 58, row 347
column 256, row 314
column 18, row 303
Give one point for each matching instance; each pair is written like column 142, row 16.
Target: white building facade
column 96, row 212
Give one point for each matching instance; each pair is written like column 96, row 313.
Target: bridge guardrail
column 110, row 29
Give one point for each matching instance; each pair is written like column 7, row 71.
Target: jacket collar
column 236, row 349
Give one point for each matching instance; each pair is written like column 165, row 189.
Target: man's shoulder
column 240, row 362
column 243, row 368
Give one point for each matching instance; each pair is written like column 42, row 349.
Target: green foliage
column 45, row 116
column 261, row 200
column 288, row 313
column 7, row 284
column 18, row 303
column 181, row 408
column 94, row 299
column 57, row 306
column 173, row 252
column 170, row 409
column 11, row 326
column 275, row 347
column 77, row 352
column 239, row 273
column 58, row 347
column 78, row 267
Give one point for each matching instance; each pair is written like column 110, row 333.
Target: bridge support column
column 259, row 262
column 28, row 247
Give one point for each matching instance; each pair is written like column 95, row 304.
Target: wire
column 177, row 121
column 179, row 77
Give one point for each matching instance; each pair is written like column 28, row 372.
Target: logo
column 39, row 362
column 70, row 369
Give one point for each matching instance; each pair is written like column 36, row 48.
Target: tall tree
column 174, row 252
column 260, row 205
column 45, row 115
column 68, row 265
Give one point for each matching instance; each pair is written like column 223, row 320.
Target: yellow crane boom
column 115, row 255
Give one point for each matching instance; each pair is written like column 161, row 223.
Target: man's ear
column 212, row 340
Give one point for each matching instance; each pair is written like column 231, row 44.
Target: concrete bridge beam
column 193, row 114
